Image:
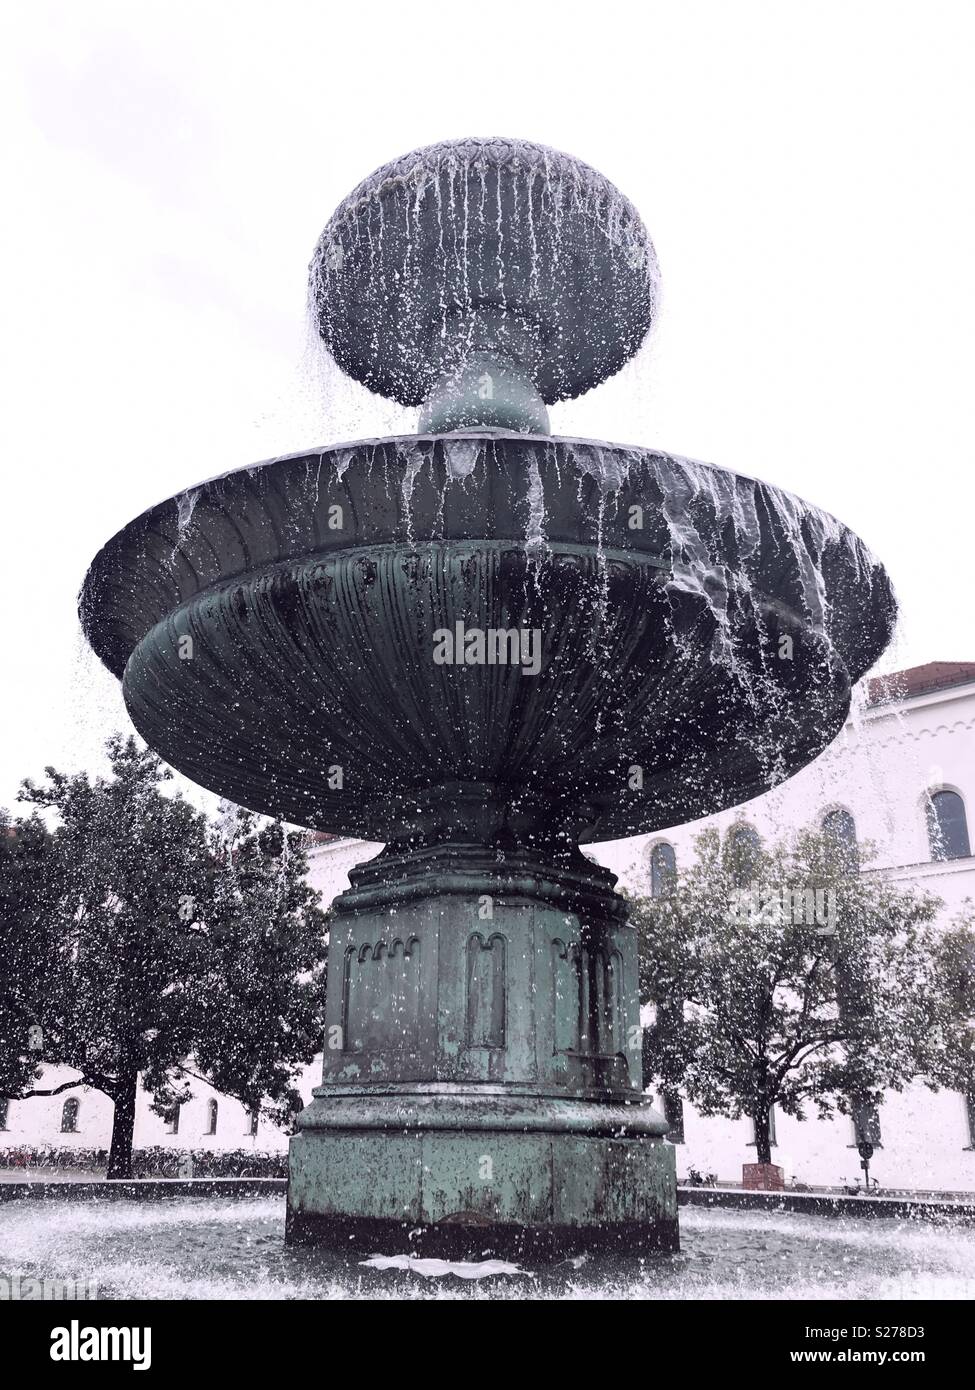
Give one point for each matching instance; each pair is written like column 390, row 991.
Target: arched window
column 663, row 869
column 69, row 1115
column 212, row 1112
column 172, row 1120
column 4, row 1111
column 742, row 846
column 840, row 827
column 947, row 826
column 255, row 1119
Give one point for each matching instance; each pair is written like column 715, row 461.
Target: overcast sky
column 805, row 171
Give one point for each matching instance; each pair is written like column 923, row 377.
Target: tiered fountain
column 485, row 646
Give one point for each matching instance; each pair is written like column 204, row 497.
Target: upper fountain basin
column 281, row 621
column 491, row 246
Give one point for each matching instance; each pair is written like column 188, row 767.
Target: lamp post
column 865, row 1150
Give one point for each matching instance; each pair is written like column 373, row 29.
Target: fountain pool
column 219, row 1249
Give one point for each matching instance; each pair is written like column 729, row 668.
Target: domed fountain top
column 479, row 249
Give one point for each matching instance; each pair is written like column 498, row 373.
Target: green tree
column 177, row 953
column 129, row 861
column 949, row 1058
column 26, row 942
column 260, row 1003
column 783, row 976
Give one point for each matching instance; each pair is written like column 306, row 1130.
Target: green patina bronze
column 484, row 647
column 482, row 1065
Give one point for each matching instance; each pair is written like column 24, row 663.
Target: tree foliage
column 785, row 976
column 26, row 940
column 166, row 955
column 261, row 1000
column 949, row 1044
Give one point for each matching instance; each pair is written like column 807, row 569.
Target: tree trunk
column 763, row 1137
column 123, row 1126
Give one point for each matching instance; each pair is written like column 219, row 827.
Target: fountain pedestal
column 482, row 1074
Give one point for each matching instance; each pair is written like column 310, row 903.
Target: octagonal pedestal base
column 484, row 1192
column 482, row 1075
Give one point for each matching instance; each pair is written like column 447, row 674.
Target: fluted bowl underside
column 475, row 243
column 332, row 637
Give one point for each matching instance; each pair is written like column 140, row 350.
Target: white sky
column 805, row 170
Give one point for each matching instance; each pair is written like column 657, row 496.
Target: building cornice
column 892, row 709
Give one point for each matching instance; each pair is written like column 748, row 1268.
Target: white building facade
column 909, row 745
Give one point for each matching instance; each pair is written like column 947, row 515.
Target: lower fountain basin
column 659, row 639
column 221, row 1249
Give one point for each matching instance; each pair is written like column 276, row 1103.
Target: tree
column 25, row 947
column 949, row 1056
column 260, row 1005
column 175, row 955
column 128, row 860
column 783, row 976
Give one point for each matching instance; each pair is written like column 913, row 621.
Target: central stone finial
column 484, row 280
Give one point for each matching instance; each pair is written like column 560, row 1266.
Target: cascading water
column 481, row 236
